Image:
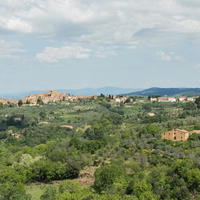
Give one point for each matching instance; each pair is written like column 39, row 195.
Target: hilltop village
column 54, row 96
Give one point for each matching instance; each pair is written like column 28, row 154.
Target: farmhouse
column 191, row 99
column 153, row 99
column 182, row 99
column 163, row 99
column 176, row 135
column 166, row 99
column 171, row 99
column 120, row 99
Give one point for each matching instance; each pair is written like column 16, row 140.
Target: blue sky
column 69, row 44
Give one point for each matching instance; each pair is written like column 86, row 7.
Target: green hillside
column 98, row 149
column 167, row 91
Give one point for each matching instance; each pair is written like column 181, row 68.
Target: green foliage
column 20, row 103
column 11, row 185
column 197, row 102
column 125, row 145
column 12, row 191
column 39, row 101
column 49, row 193
column 70, row 187
column 110, row 179
column 42, row 115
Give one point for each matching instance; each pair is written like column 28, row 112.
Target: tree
column 110, row 176
column 69, row 186
column 11, row 185
column 95, row 133
column 28, row 102
column 42, row 115
column 39, row 101
column 147, row 107
column 12, row 191
column 20, row 103
column 197, row 102
column 190, row 106
column 49, row 193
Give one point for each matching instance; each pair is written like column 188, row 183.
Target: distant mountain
column 75, row 92
column 166, row 91
column 98, row 91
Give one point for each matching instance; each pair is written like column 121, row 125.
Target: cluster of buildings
column 166, row 99
column 50, row 97
column 8, row 101
column 54, row 96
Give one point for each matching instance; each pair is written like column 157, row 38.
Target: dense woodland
column 121, row 141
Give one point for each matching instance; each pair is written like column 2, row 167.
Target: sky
column 70, row 44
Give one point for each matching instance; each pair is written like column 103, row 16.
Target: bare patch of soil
column 86, row 176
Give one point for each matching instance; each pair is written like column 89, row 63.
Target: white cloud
column 101, row 23
column 10, row 50
column 103, row 52
column 164, row 56
column 112, row 21
column 15, row 24
column 171, row 56
column 53, row 55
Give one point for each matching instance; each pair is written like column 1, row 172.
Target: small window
column 174, row 137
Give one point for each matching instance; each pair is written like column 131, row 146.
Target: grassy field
column 36, row 190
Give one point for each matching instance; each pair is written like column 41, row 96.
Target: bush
column 110, row 178
column 49, row 193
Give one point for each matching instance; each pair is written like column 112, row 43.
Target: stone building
column 171, row 99
column 176, row 135
column 153, row 99
column 191, row 99
column 182, row 99
column 163, row 99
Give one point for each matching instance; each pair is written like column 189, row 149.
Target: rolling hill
column 166, row 91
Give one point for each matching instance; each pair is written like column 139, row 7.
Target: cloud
column 10, row 50
column 100, row 24
column 112, row 21
column 53, row 55
column 163, row 56
column 171, row 56
column 15, row 24
column 103, row 52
